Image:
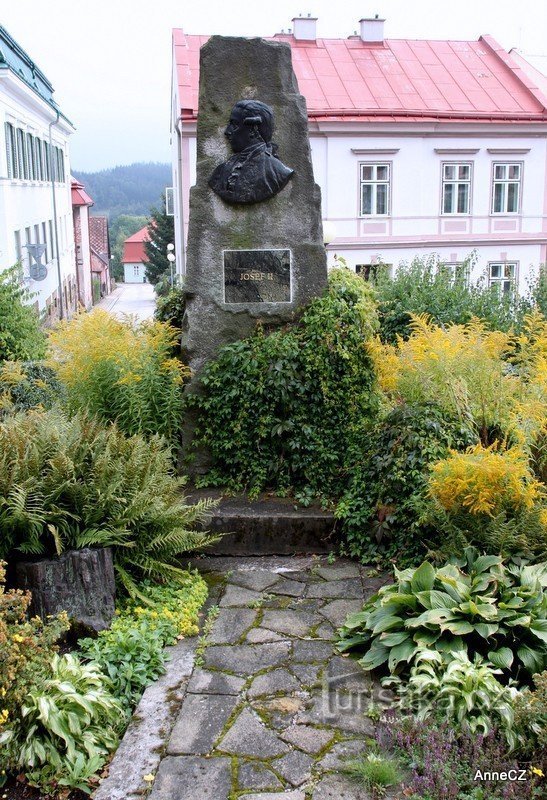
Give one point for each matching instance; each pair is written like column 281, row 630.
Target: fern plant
column 74, row 482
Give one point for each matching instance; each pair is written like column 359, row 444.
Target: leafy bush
column 489, row 498
column 20, row 334
column 379, row 508
column 122, row 371
column 465, row 693
column 25, row 385
column 131, row 654
column 26, row 648
column 72, row 482
column 484, row 481
column 171, row 307
column 131, row 651
column 288, row 410
column 461, row 369
column 491, row 380
column 71, row 721
column 476, row 605
column 426, row 287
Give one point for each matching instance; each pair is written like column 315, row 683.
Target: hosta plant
column 476, row 604
column 72, row 722
column 465, row 693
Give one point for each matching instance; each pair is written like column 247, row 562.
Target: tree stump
column 80, row 582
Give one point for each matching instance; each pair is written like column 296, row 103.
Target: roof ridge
column 508, row 60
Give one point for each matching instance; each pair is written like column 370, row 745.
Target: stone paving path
column 270, row 712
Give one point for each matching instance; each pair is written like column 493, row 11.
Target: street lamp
column 171, row 259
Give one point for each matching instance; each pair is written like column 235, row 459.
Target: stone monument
column 255, row 247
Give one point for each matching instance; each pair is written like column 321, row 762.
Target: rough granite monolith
column 234, row 69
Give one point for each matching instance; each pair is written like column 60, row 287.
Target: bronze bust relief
column 254, row 172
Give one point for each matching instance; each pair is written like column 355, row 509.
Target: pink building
column 419, row 147
column 81, row 203
column 100, row 255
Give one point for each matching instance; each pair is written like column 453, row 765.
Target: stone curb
column 143, row 745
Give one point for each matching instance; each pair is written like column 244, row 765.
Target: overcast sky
column 110, row 60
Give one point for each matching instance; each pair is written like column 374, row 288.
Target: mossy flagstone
column 337, row 611
column 255, row 775
column 274, row 682
column 191, row 777
column 248, row 736
column 311, row 740
column 257, row 580
column 200, row 722
column 230, row 625
column 295, row 767
column 246, row 659
column 205, row 682
column 288, row 621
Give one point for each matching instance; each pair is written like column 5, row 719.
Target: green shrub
column 170, row 308
column 379, row 508
column 26, row 649
column 21, row 337
column 122, row 371
column 131, row 651
column 289, row 410
column 476, row 605
column 73, row 482
column 426, row 287
column 131, row 654
column 29, row 384
column 71, row 721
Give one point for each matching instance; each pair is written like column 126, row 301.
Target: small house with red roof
column 134, row 257
column 420, row 148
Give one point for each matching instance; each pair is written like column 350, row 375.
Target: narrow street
column 137, row 299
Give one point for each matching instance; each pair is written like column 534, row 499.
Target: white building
column 419, row 147
column 36, row 227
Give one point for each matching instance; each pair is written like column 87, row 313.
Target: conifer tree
column 161, row 231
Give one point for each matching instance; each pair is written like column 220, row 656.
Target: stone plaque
column 257, row 276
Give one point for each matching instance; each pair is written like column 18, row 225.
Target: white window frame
column 374, row 181
column 457, row 270
column 506, row 181
column 502, row 279
column 456, row 182
column 136, row 270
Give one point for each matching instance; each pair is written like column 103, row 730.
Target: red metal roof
column 394, row 80
column 133, row 247
column 79, row 195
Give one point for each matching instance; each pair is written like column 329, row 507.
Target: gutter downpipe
column 55, row 223
column 178, row 128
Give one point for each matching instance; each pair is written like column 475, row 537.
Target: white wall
column 415, row 226
column 134, row 273
column 26, row 203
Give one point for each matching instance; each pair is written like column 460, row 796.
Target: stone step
column 267, row 525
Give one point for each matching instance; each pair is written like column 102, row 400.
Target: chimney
column 372, row 30
column 305, row 28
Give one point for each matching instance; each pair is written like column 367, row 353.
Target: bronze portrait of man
column 254, row 172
